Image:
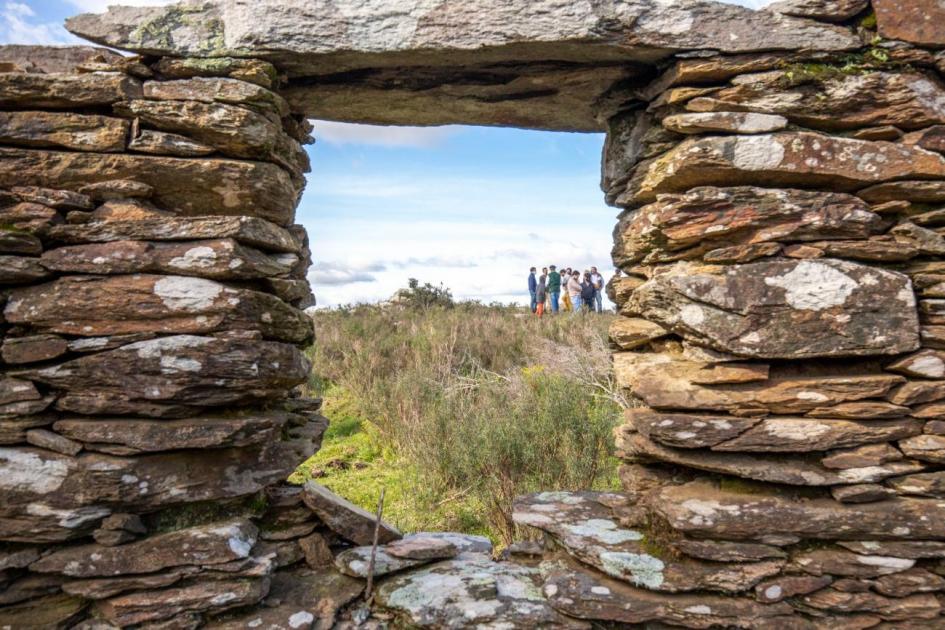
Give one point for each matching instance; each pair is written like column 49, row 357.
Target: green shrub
column 423, row 296
column 456, row 410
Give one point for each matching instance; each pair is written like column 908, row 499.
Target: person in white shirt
column 574, row 291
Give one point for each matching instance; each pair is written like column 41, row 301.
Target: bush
column 425, row 296
column 472, row 405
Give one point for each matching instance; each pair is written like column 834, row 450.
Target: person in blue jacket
column 533, row 288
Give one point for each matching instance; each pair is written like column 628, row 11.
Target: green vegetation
column 457, row 408
column 868, row 60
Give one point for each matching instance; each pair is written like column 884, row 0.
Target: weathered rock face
column 185, row 186
column 784, row 309
column 546, row 65
column 175, row 375
column 905, row 100
column 736, row 516
column 129, row 271
column 471, row 590
column 824, row 10
column 350, row 521
column 800, row 159
column 914, row 21
column 706, row 219
column 776, row 424
column 584, row 526
column 93, row 306
column 220, row 259
column 587, row 595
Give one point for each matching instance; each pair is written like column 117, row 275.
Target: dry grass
column 473, row 405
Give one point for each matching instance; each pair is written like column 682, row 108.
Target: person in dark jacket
column 532, row 287
column 587, row 292
column 554, row 288
column 541, row 293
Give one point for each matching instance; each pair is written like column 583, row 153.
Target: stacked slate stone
column 152, row 287
column 783, row 302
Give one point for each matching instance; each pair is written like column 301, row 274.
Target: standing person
column 565, row 278
column 598, row 281
column 587, row 292
column 532, row 287
column 554, row 287
column 540, row 293
column 574, row 291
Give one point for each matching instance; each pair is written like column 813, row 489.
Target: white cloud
column 337, row 274
column 376, row 135
column 19, row 25
column 483, row 261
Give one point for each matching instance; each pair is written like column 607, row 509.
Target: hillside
column 456, row 410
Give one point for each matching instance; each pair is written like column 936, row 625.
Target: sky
column 471, row 208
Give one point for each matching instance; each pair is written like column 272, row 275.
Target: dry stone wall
column 782, row 250
column 153, row 327
column 781, row 176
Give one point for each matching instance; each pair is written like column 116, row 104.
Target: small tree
column 425, row 295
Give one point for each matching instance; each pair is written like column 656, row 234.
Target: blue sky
column 470, row 207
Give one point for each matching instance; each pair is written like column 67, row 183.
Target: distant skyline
column 469, row 207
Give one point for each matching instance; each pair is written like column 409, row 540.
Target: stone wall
column 783, row 250
column 151, row 344
column 782, row 242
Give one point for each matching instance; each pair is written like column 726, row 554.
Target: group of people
column 568, row 289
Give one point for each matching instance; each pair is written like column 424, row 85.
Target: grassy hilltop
column 456, row 409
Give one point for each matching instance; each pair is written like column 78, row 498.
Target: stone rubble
column 780, row 176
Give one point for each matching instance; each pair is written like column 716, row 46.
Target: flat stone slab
column 218, row 259
column 583, row 594
column 54, row 59
column 532, row 64
column 666, row 382
column 345, row 518
column 588, row 530
column 183, row 600
column 702, row 509
column 464, row 543
column 784, row 159
column 784, row 309
column 173, row 375
column 908, row 100
column 420, row 547
column 691, row 224
column 187, row 186
column 91, row 306
column 205, row 545
column 471, row 592
column 297, row 599
column 357, row 561
column 248, row 230
column 794, row 469
column 408, row 552
column 133, row 436
column 49, row 497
